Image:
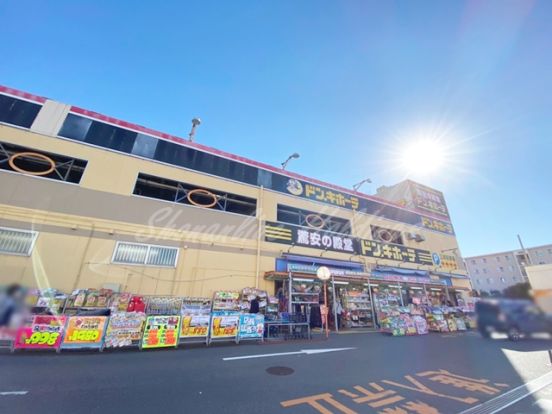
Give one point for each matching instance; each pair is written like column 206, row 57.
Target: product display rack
column 226, row 301
column 358, row 307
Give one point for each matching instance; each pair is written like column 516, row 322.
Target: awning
column 323, row 262
column 401, row 271
column 453, row 275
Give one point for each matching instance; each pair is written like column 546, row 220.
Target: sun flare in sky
column 422, row 157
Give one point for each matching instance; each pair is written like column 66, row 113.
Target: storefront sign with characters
column 161, row 331
column 372, row 248
column 84, row 331
column 428, row 199
column 44, row 332
column 224, row 326
column 195, row 326
column 437, row 225
column 124, row 328
column 322, row 240
column 306, row 237
column 251, row 326
column 424, row 200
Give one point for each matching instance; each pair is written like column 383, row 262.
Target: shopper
column 254, row 306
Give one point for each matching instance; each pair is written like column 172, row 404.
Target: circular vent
column 384, row 235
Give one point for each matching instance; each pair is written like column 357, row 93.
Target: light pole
column 323, row 273
column 195, row 123
column 358, row 185
column 285, row 163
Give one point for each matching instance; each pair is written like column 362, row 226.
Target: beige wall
column 79, row 225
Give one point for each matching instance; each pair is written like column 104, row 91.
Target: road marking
column 511, row 397
column 13, row 393
column 303, row 351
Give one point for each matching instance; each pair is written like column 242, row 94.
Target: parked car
column 516, row 318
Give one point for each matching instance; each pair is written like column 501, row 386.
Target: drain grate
column 280, row 370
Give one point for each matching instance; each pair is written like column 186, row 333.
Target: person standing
column 254, row 306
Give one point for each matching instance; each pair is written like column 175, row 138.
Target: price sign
column 85, row 331
column 251, row 326
column 224, row 326
column 124, row 328
column 161, row 331
column 44, row 332
column 195, row 326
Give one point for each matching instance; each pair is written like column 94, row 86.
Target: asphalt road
column 380, row 375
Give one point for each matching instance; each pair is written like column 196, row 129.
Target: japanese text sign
column 44, row 332
column 85, row 331
column 161, row 331
column 195, row 326
column 251, row 326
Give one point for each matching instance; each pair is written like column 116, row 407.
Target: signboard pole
column 334, row 305
column 290, row 279
column 400, row 293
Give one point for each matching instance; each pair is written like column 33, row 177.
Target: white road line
column 303, row 351
column 511, row 397
column 3, row 393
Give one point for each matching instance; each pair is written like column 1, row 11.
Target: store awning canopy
column 323, row 262
column 453, row 275
column 400, row 271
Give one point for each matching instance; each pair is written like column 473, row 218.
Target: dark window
column 312, row 219
column 18, row 112
column 62, row 168
column 144, row 146
column 386, row 235
column 75, row 127
column 178, row 192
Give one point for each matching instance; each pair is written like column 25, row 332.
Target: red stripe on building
column 21, row 94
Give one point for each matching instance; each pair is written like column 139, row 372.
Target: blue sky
column 346, row 84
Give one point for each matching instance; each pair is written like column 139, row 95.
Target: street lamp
column 195, row 123
column 358, row 185
column 285, row 163
column 324, row 274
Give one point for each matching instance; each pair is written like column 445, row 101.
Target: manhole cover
column 280, row 370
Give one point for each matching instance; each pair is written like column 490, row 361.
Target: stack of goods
column 436, row 320
column 406, row 321
column 136, row 304
column 88, row 298
column 272, row 307
column 303, row 294
column 226, row 301
column 358, row 309
column 421, row 324
column 390, row 322
column 120, row 302
column 49, row 299
column 163, row 305
column 196, row 306
column 248, row 294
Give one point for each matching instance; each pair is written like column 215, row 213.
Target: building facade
column 497, row 271
column 89, row 201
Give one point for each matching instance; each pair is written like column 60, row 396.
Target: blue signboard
column 251, row 326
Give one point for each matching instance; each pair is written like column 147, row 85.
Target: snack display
column 358, row 309
column 163, row 305
column 226, row 301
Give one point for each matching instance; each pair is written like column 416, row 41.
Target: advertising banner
column 44, row 332
column 161, row 331
column 195, row 326
column 224, row 326
column 124, row 328
column 251, row 326
column 85, row 331
column 324, row 240
column 428, row 199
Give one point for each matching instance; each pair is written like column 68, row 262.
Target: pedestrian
column 254, row 306
column 11, row 304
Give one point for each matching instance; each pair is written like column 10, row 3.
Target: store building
column 497, row 271
column 89, row 201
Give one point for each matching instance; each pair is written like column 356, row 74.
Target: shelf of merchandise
column 226, row 301
column 359, row 310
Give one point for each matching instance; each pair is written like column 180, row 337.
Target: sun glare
column 422, row 157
